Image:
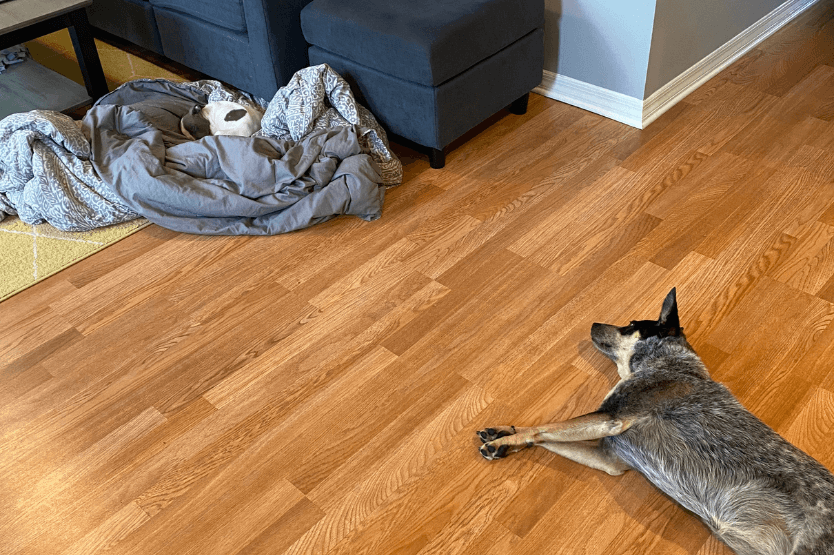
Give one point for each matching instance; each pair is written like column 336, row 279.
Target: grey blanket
column 131, row 160
column 225, row 185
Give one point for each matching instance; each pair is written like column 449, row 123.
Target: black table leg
column 85, row 51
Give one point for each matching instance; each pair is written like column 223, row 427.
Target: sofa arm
column 127, row 19
column 276, row 42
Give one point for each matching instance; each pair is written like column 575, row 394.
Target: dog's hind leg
column 560, row 437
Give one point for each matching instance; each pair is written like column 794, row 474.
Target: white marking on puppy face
column 185, row 132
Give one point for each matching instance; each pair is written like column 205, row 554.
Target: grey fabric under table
column 30, row 86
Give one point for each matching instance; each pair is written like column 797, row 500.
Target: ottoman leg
column 437, row 158
column 519, row 106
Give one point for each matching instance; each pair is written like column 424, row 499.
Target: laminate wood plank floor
column 319, row 392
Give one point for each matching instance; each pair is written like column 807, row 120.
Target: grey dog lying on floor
column 692, row 439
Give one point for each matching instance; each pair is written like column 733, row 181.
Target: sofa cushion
column 131, row 20
column 436, row 116
column 423, row 41
column 223, row 13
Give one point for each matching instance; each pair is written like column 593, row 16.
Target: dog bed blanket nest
column 317, row 155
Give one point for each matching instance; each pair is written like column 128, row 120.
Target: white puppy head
column 220, row 118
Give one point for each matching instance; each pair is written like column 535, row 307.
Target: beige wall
column 686, row 31
column 634, row 47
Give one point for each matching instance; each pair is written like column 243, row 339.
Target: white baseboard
column 617, row 106
column 640, row 113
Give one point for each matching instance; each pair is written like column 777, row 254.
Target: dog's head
column 619, row 343
column 194, row 124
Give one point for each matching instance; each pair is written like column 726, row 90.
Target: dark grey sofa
column 254, row 45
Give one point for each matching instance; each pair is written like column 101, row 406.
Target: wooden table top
column 17, row 14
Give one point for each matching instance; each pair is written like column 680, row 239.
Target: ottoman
column 431, row 70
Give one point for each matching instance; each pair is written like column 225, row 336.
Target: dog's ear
column 669, row 314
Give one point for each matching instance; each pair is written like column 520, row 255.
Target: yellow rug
column 31, row 253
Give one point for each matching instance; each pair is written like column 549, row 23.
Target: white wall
column 601, row 42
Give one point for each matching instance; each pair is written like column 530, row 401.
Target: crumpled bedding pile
column 319, row 154
column 14, row 55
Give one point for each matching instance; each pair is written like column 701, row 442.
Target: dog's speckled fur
column 691, row 438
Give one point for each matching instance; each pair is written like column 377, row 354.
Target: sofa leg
column 519, row 106
column 437, row 158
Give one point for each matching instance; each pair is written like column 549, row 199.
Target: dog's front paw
column 490, row 452
column 491, row 434
column 492, row 448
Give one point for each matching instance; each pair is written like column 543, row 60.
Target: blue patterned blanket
column 46, row 175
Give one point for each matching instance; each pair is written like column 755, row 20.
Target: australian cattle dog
column 690, row 437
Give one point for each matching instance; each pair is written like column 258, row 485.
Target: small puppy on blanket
column 691, row 438
column 220, row 118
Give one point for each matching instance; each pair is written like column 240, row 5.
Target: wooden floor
column 319, row 392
